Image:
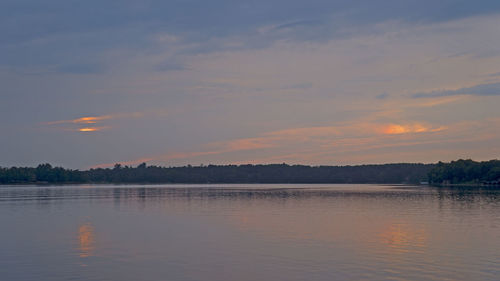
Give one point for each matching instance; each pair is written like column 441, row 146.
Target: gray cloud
column 492, row 89
column 300, row 86
column 51, row 50
column 52, row 33
column 298, row 24
column 382, row 96
column 81, row 68
column 170, row 66
column 494, row 74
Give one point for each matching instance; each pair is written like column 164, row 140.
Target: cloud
column 491, row 89
column 397, row 129
column 353, row 143
column 99, row 118
column 382, row 96
column 221, row 147
column 300, row 86
column 309, row 78
column 494, row 74
column 92, row 129
column 246, row 144
column 307, row 132
column 81, row 68
column 345, row 137
column 197, row 26
column 296, row 24
column 82, row 121
column 171, row 65
column 436, row 101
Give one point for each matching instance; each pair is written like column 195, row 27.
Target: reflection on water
column 86, row 240
column 249, row 232
column 402, row 238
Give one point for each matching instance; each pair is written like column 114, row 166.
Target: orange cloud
column 440, row 101
column 307, row 131
column 87, row 120
column 346, row 135
column 99, row 118
column 82, row 120
column 397, row 129
column 223, row 147
column 245, row 144
column 314, row 143
column 92, row 129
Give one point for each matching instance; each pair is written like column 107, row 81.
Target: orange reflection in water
column 403, row 238
column 327, row 223
column 86, row 240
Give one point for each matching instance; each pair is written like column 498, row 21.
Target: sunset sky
column 93, row 83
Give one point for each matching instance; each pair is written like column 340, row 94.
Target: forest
column 271, row 173
column 466, row 172
column 454, row 172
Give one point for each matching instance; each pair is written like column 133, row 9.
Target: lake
column 249, row 232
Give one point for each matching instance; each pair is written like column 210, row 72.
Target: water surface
column 249, row 232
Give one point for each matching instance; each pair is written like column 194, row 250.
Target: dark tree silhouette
column 272, row 173
column 466, row 172
column 455, row 172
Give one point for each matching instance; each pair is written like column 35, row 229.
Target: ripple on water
column 249, row 232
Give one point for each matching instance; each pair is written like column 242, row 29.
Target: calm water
column 249, row 232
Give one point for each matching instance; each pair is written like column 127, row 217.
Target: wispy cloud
column 82, row 120
column 298, row 24
column 432, row 102
column 81, row 69
column 92, row 129
column 396, row 129
column 320, row 140
column 300, row 86
column 496, row 74
column 266, row 71
column 94, row 120
column 382, row 96
column 307, row 132
column 343, row 144
column 491, row 89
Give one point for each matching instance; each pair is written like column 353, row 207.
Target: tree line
column 455, row 172
column 271, row 173
column 466, row 172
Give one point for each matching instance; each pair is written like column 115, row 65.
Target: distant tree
column 465, row 171
column 460, row 171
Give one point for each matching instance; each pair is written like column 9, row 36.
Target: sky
column 340, row 82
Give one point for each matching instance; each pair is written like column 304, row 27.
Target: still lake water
column 249, row 232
